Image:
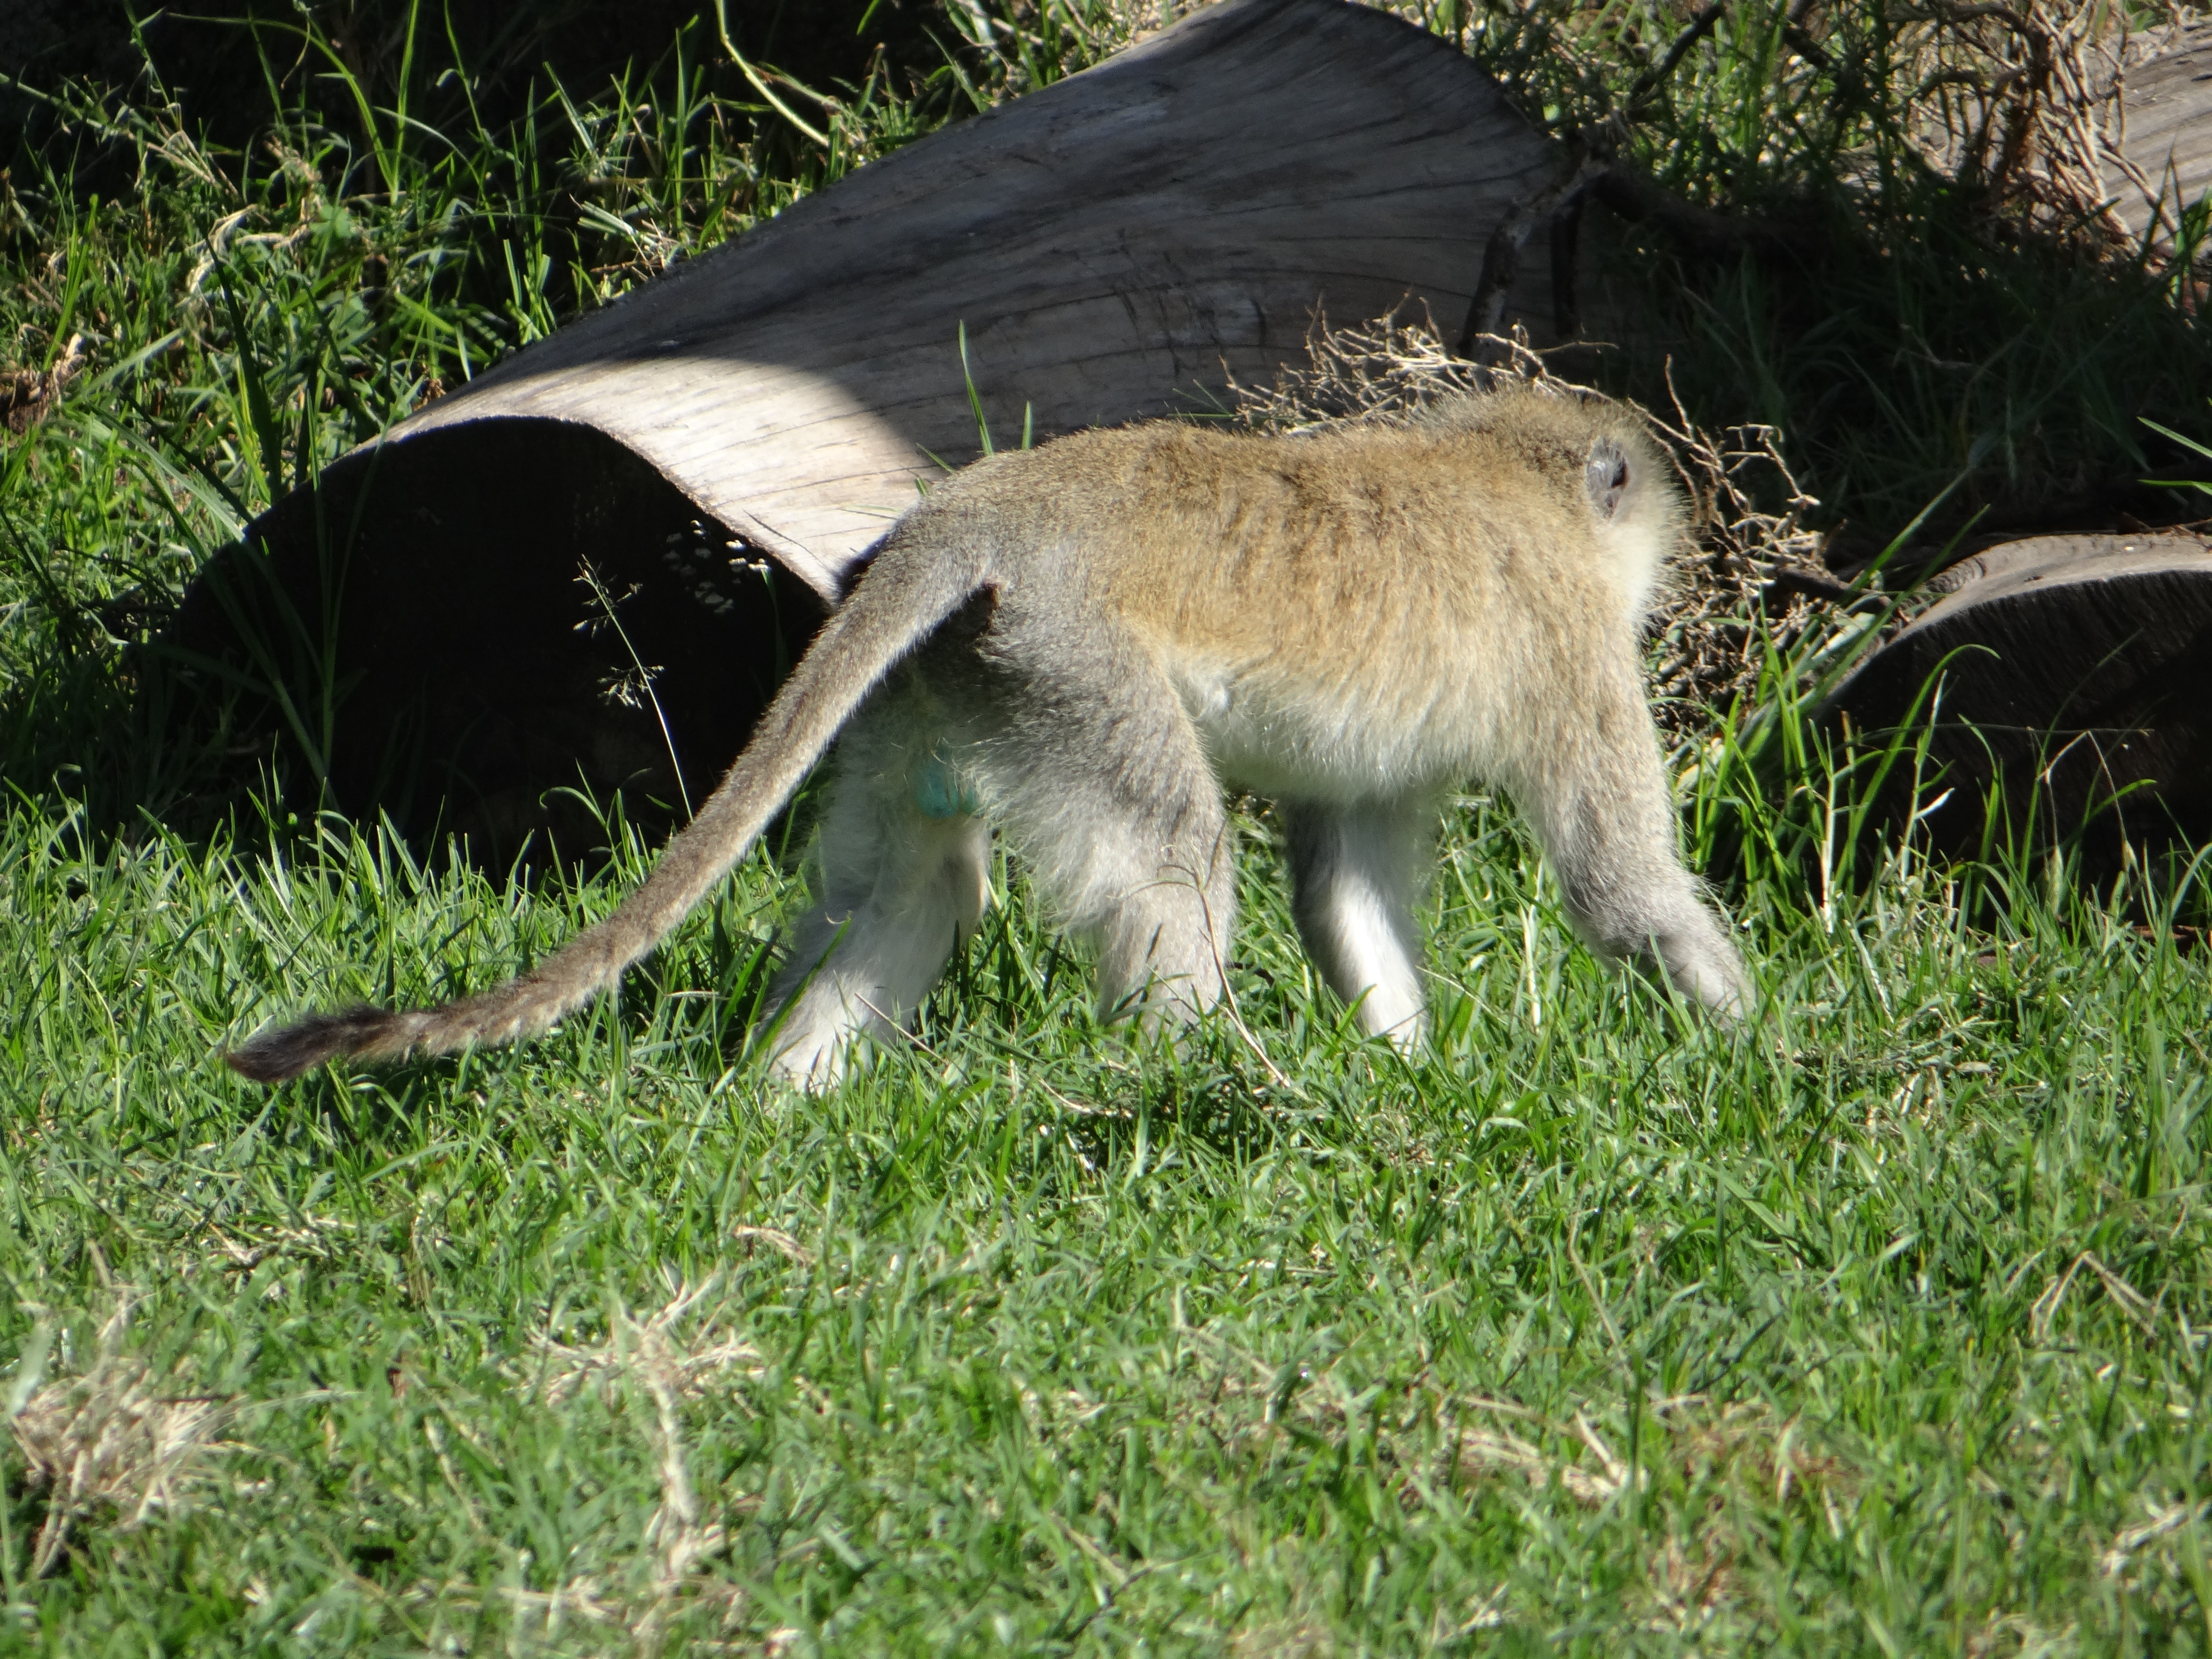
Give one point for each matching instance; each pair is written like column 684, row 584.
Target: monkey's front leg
column 1597, row 791
column 906, row 876
column 1355, row 874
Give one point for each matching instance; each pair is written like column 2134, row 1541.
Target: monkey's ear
column 1606, row 476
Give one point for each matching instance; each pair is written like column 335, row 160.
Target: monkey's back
column 1335, row 610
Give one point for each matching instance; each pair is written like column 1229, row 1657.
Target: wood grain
column 2166, row 108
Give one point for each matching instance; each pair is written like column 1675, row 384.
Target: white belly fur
column 1334, row 745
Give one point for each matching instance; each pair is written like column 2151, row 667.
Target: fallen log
column 2163, row 164
column 2064, row 680
column 719, row 446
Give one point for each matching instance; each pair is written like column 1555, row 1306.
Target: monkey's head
column 1589, row 455
column 1636, row 502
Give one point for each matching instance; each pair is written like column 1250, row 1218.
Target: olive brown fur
column 1083, row 643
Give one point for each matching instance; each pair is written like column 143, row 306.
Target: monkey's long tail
column 898, row 603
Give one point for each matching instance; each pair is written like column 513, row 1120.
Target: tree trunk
column 2064, row 680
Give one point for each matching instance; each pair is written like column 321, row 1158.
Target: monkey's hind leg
column 1109, row 795
column 1355, row 874
column 1164, row 938
column 906, row 876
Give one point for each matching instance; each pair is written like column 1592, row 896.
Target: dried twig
column 30, row 395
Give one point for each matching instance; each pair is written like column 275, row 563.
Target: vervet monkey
column 1081, row 643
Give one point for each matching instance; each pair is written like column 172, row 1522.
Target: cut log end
column 2075, row 674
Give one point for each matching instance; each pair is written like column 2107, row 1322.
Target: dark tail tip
column 280, row 1056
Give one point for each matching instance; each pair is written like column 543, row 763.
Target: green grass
column 1879, row 1329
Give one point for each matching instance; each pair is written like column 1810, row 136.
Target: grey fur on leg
column 1163, row 943
column 902, row 890
column 1117, row 810
column 1600, row 805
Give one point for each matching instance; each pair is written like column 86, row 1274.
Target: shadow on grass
column 1913, row 341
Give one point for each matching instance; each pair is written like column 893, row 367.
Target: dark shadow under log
column 497, row 658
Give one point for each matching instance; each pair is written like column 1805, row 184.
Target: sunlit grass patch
column 1593, row 1318
column 1878, row 1326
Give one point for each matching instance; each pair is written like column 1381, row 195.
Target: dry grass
column 115, row 1439
column 28, row 396
column 652, row 1355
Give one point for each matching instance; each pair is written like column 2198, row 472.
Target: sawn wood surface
column 2167, row 104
